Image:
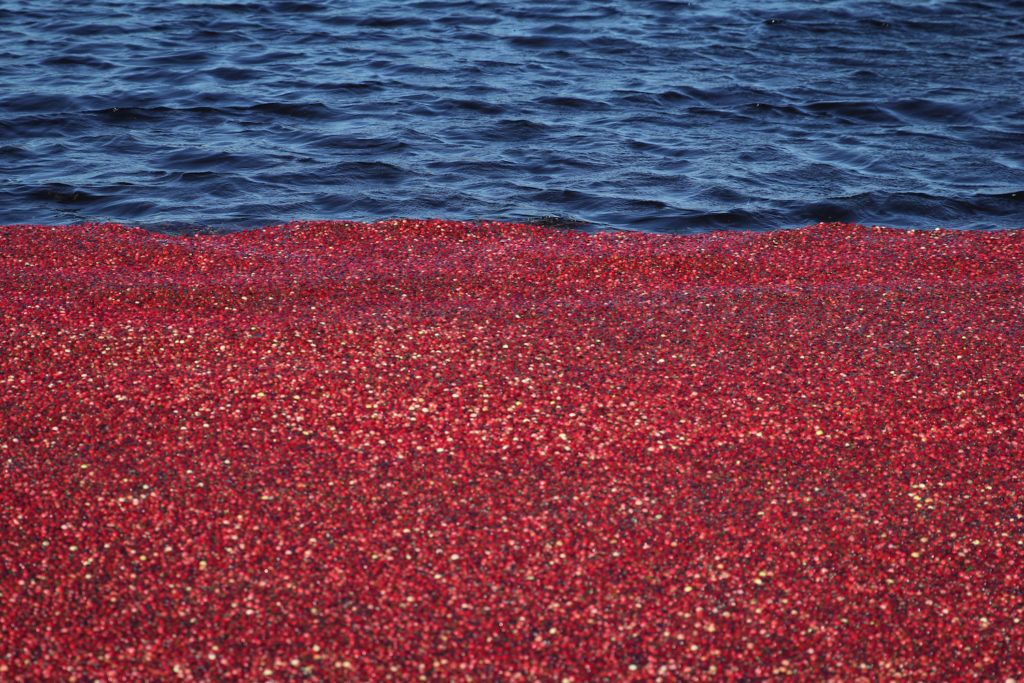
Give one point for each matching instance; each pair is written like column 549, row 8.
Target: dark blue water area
column 637, row 114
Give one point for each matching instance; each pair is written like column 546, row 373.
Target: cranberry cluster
column 481, row 451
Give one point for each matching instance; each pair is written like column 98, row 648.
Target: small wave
column 559, row 222
column 548, row 42
column 351, row 143
column 14, row 152
column 468, row 20
column 931, row 110
column 179, row 58
column 404, row 21
column 520, row 129
column 204, row 159
column 60, row 193
column 82, row 60
column 853, row 110
column 368, row 171
column 302, row 110
column 564, row 102
column 231, row 74
column 289, row 6
column 354, row 86
column 36, row 103
column 478, row 106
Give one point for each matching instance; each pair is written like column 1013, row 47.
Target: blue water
column 639, row 114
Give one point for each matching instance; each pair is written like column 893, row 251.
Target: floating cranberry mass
column 451, row 451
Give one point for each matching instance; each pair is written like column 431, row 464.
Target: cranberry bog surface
column 452, row 451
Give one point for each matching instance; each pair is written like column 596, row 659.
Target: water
column 639, row 114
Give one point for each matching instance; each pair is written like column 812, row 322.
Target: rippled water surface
column 640, row 114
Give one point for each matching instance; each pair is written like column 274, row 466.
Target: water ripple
column 642, row 114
